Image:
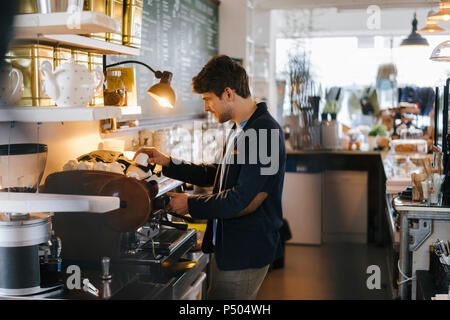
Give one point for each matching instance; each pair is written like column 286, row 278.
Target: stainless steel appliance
column 29, row 253
column 29, row 260
column 144, row 243
column 302, row 201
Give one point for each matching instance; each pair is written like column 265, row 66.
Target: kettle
column 11, row 85
column 71, row 84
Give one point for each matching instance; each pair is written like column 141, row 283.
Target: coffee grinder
column 29, row 253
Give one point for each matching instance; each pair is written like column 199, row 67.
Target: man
column 244, row 211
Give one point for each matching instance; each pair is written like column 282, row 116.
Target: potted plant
column 376, row 131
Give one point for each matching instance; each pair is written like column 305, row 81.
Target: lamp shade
column 443, row 14
column 414, row 39
column 431, row 26
column 441, row 52
column 163, row 93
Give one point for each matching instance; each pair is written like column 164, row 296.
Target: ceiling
column 343, row 4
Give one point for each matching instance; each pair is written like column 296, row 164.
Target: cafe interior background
column 361, row 96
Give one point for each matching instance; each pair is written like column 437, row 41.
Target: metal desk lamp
column 162, row 92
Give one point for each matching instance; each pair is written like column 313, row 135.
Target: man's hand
column 154, row 156
column 178, row 204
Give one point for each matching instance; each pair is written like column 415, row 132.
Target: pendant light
column 441, row 52
column 431, row 26
column 443, row 14
column 414, row 39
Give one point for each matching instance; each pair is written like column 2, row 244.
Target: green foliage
column 378, row 130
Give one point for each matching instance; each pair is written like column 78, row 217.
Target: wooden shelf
column 84, row 22
column 21, row 202
column 61, row 114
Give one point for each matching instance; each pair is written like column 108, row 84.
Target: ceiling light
column 431, row 26
column 443, row 14
column 414, row 39
column 441, row 52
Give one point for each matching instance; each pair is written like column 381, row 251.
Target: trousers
column 235, row 284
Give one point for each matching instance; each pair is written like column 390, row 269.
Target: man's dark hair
column 219, row 73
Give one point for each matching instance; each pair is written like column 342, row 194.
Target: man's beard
column 225, row 116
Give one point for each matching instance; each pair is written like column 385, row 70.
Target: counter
column 128, row 286
column 408, row 227
column 420, row 226
column 321, row 161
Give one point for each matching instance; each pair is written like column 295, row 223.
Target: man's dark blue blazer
column 246, row 241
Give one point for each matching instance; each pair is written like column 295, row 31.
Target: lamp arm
column 137, row 62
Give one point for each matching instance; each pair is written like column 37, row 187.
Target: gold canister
column 108, row 125
column 81, row 57
column 27, row 6
column 96, row 6
column 132, row 23
column 114, row 9
column 28, row 59
column 61, row 55
column 96, row 62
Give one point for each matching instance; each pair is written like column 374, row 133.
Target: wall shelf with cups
column 64, row 114
column 62, row 28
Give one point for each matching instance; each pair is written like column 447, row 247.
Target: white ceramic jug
column 11, row 85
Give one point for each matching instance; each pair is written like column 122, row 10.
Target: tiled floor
column 330, row 271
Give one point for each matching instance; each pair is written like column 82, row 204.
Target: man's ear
column 228, row 94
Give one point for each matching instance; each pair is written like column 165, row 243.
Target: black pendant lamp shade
column 414, row 39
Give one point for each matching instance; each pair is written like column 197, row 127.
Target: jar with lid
column 115, row 93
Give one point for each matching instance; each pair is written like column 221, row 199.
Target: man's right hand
column 154, row 156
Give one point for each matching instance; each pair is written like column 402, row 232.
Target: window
column 352, row 63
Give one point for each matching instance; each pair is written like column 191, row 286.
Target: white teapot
column 11, row 85
column 72, row 84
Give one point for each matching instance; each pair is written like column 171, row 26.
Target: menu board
column 178, row 36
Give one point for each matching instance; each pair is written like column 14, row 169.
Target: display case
column 409, row 146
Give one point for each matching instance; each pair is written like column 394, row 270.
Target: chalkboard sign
column 178, row 36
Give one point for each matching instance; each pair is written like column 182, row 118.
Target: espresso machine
column 30, row 261
column 124, row 246
column 141, row 241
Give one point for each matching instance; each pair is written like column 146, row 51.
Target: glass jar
column 115, row 92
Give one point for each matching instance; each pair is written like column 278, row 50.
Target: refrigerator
column 302, row 202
